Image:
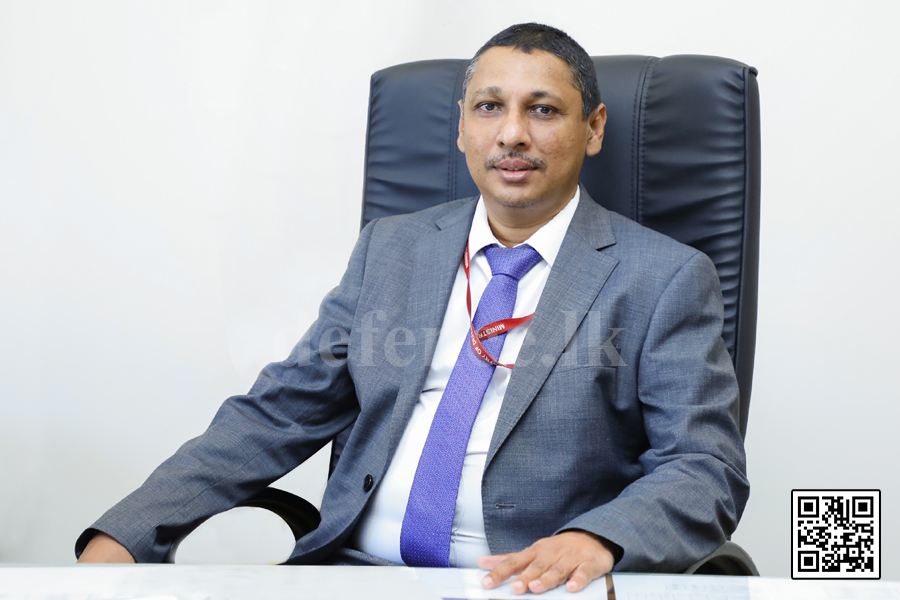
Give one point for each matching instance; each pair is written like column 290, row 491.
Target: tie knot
column 513, row 262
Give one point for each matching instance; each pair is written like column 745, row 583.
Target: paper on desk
column 179, row 582
column 466, row 583
column 630, row 586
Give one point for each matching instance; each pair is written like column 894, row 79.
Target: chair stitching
column 365, row 204
column 638, row 140
column 745, row 220
column 451, row 155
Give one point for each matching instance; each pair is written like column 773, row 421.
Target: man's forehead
column 501, row 64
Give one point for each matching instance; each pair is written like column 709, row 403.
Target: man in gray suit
column 612, row 443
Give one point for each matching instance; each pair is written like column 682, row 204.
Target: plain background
column 180, row 184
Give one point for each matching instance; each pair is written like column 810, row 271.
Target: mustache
column 534, row 161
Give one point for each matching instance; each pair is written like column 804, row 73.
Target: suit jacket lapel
column 575, row 280
column 437, row 261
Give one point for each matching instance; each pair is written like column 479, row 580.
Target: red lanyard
column 489, row 330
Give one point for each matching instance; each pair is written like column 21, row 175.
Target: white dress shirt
column 378, row 531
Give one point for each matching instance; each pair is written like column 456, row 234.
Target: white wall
column 180, row 184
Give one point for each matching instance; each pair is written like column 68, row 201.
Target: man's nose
column 514, row 130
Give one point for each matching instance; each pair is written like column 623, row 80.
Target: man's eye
column 488, row 106
column 544, row 110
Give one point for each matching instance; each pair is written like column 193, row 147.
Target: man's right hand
column 104, row 549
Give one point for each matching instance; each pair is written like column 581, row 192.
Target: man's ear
column 597, row 124
column 461, row 140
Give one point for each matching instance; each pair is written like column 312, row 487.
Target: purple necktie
column 425, row 535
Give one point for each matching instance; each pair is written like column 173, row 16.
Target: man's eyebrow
column 495, row 90
column 491, row 90
column 541, row 94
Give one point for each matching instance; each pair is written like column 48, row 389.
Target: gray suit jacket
column 619, row 418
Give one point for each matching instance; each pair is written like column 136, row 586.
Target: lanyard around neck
column 491, row 329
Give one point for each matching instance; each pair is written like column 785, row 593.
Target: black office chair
column 681, row 155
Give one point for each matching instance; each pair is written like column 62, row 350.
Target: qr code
column 836, row 534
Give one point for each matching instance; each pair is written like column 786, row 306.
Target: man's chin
column 514, row 201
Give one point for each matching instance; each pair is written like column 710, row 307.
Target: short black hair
column 529, row 36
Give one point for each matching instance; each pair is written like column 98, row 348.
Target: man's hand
column 576, row 557
column 104, row 549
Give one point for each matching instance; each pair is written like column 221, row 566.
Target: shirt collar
column 545, row 240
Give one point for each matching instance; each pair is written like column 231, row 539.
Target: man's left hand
column 575, row 558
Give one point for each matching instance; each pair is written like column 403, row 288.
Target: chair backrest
column 680, row 155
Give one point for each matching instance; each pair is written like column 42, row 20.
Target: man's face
column 521, row 129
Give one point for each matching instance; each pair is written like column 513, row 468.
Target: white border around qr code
column 861, row 508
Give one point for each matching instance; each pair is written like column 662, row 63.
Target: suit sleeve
column 694, row 486
column 294, row 408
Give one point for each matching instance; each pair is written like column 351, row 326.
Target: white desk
column 174, row 582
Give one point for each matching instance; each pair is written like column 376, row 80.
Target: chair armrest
column 727, row 559
column 301, row 516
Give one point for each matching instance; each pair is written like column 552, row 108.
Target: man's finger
column 531, row 574
column 583, row 575
column 506, row 568
column 488, row 563
column 550, row 578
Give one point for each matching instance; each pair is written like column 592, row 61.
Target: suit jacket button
column 368, row 482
